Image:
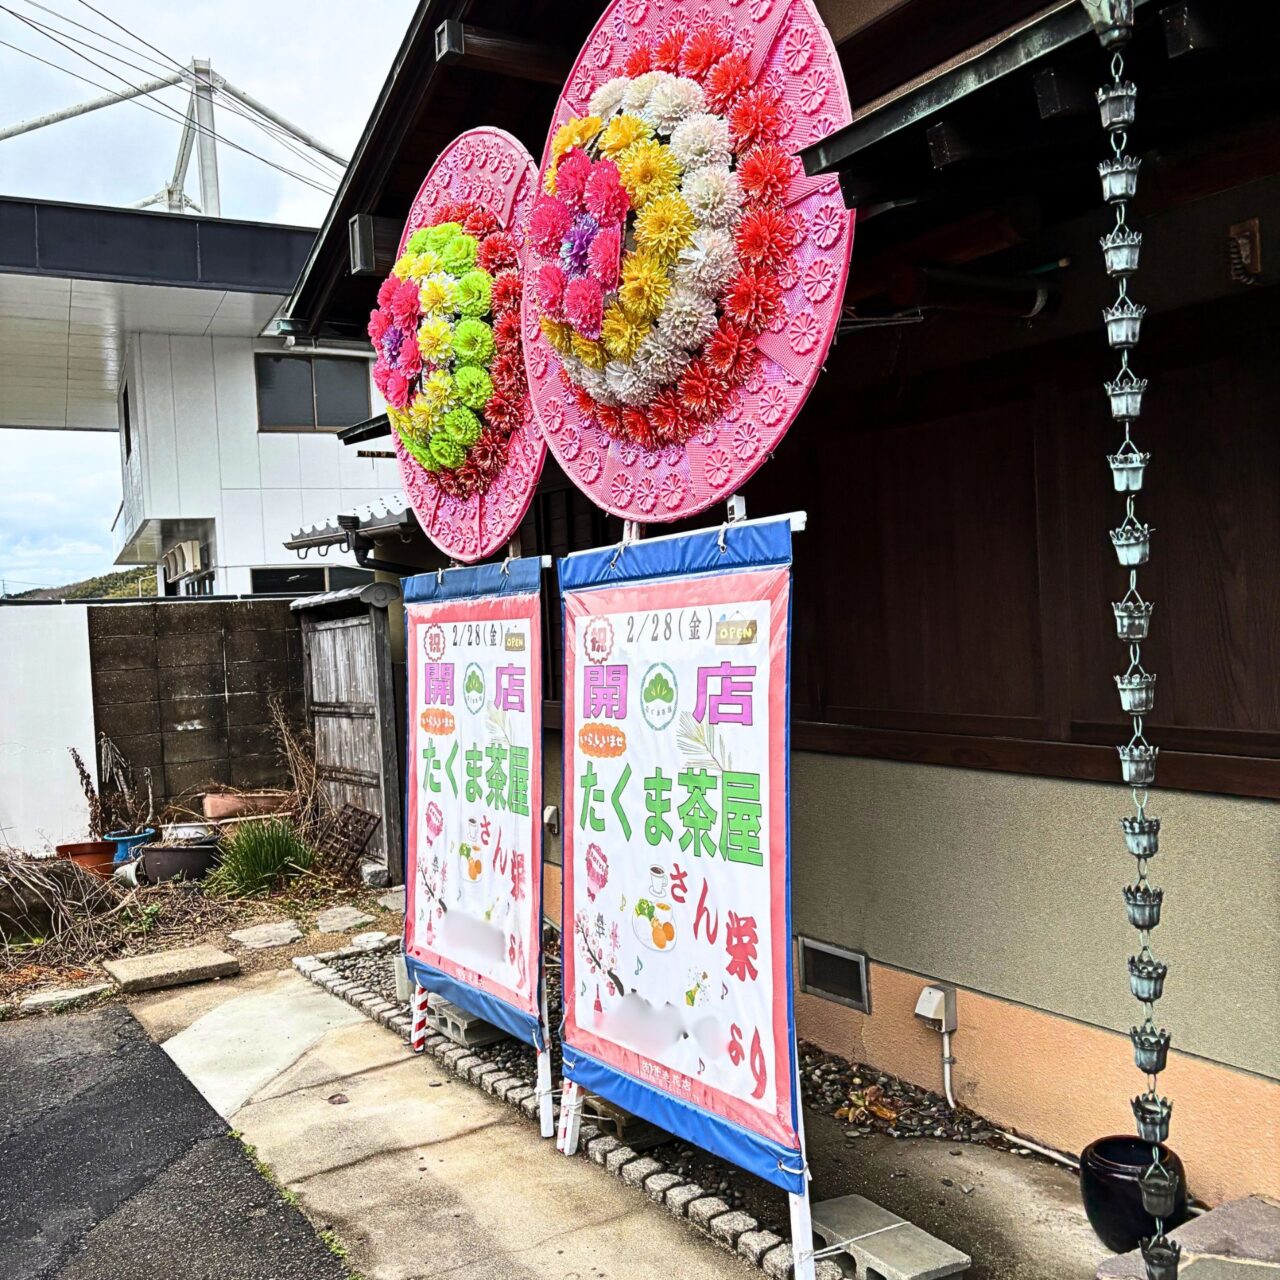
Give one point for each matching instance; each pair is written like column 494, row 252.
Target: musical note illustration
column 639, row 965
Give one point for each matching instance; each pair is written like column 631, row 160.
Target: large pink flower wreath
column 683, row 278
column 450, row 358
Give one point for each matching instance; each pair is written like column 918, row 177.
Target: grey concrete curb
column 729, row 1228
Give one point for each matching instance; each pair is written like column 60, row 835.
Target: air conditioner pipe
column 939, row 289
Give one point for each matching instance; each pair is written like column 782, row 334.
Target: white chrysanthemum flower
column 635, row 97
column 688, row 319
column 714, row 195
column 595, row 384
column 708, row 263
column 661, row 358
column 673, row 100
column 701, row 140
column 608, row 97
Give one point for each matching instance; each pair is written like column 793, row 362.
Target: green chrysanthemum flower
column 473, row 342
column 472, row 386
column 474, row 290
column 447, row 452
column 458, row 255
column 418, row 242
column 420, row 453
column 435, row 238
column 461, row 425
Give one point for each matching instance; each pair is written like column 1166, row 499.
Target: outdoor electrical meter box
column 937, row 1007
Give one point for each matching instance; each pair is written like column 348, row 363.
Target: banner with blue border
column 676, row 909
column 473, row 802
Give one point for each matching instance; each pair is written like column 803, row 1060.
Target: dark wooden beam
column 483, row 50
column 1061, row 93
column 1190, row 27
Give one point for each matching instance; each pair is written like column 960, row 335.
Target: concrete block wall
column 185, row 688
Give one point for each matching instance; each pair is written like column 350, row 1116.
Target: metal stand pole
column 798, row 1203
column 570, row 1118
column 206, row 143
column 546, row 1101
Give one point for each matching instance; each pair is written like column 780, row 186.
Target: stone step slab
column 882, row 1243
column 172, row 968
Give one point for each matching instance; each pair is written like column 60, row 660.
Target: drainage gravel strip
column 363, row 977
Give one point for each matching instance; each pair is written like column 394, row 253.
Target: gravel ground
column 846, row 1104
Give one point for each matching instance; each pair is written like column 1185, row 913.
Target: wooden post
column 546, row 1102
column 570, row 1118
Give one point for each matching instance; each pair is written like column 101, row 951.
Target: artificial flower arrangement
column 661, row 238
column 447, row 333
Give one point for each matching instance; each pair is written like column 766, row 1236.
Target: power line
column 272, row 131
column 180, row 116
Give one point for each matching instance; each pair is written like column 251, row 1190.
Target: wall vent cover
column 835, row 973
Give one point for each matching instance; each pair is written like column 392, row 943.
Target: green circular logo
column 658, row 696
column 473, row 688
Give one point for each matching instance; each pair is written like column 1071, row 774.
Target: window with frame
column 310, row 393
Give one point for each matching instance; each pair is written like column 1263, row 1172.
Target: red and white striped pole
column 418, row 1034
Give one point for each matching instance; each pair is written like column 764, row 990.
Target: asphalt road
column 113, row 1167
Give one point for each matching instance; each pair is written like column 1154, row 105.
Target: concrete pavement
column 420, row 1175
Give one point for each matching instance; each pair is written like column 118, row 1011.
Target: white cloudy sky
column 319, row 63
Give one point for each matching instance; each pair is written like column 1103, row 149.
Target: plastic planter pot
column 1110, row 1169
column 96, row 856
column 127, row 841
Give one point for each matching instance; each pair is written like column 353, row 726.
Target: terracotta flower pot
column 1109, row 1173
column 96, row 856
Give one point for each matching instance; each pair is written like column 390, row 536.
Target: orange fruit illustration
column 473, row 869
column 668, row 930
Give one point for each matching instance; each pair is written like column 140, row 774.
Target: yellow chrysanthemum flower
column 423, row 419
column 437, row 395
column 576, row 133
column 435, row 340
column 404, row 265
column 591, row 353
column 620, row 335
column 663, row 227
column 398, row 418
column 622, row 132
column 648, row 170
column 644, row 287
column 559, row 335
column 438, row 295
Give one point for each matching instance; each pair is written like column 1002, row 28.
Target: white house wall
column 198, row 454
column 46, row 706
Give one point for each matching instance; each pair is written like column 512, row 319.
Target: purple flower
column 391, row 343
column 573, row 252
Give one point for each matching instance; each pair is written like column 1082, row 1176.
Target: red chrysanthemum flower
column 571, row 178
column 380, row 371
column 670, row 420
column 585, row 402
column 666, row 56
column 489, row 453
column 379, row 323
column 447, row 482
column 496, row 252
column 764, row 174
column 548, row 223
column 584, row 305
column 702, row 50
column 404, row 306
column 505, row 294
column 751, row 299
column 605, row 197
column 639, row 60
column 506, row 332
column 396, row 389
column 730, row 351
column 503, row 412
column 610, row 418
column 469, row 478
column 636, row 426
column 604, row 258
column 475, row 218
column 387, row 291
column 756, row 117
column 725, row 81
column 763, row 237
column 550, row 284
column 507, row 372
column 409, row 358
column 702, row 391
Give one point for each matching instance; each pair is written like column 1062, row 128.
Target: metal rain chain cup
column 1159, row 1182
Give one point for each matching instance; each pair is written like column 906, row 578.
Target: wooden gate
column 351, row 707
